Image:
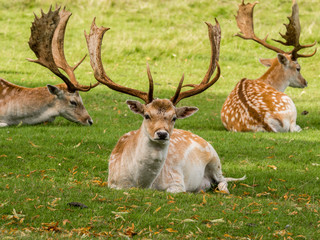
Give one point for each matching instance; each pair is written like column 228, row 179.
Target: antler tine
column 94, row 41
column 244, row 20
column 196, row 90
column 292, row 34
column 150, row 93
column 306, row 55
column 214, row 33
column 175, row 97
column 46, row 41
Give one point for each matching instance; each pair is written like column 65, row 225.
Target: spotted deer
column 21, row 105
column 261, row 105
column 156, row 155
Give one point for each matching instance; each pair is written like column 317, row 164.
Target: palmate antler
column 94, row 40
column 245, row 23
column 47, row 42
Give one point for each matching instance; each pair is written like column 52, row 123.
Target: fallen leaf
column 95, row 197
column 262, row 194
column 157, row 210
column 204, row 201
column 129, row 231
column 227, row 235
column 245, row 185
column 272, row 166
column 51, row 209
column 293, row 213
column 170, row 230
column 272, row 189
column 65, row 222
column 15, row 215
column 188, row 220
column 301, row 236
column 52, row 227
column 33, row 145
column 170, row 197
column 282, row 180
column 219, row 220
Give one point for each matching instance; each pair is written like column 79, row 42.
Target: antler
column 214, row 33
column 47, row 40
column 292, row 35
column 245, row 23
column 94, row 41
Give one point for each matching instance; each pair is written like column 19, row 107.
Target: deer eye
column 146, row 116
column 298, row 69
column 73, row 103
column 174, row 119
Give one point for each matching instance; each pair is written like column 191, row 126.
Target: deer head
column 159, row 114
column 287, row 60
column 159, row 117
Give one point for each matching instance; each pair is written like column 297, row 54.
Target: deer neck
column 276, row 77
column 37, row 106
column 150, row 157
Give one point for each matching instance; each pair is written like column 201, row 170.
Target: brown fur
column 34, row 105
column 252, row 104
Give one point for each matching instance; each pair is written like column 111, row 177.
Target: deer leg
column 277, row 125
column 213, row 171
column 205, row 184
column 176, row 189
column 176, row 184
column 295, row 128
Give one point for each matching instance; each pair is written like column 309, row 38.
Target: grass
column 44, row 167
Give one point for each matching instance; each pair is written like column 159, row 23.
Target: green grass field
column 47, row 166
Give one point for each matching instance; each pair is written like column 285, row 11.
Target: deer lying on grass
column 261, row 105
column 157, row 155
column 43, row 104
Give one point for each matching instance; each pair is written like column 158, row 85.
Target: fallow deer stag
column 35, row 105
column 261, row 105
column 157, row 155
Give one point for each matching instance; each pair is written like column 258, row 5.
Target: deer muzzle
column 161, row 135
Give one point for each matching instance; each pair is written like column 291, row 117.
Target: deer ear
column 283, row 60
column 55, row 90
column 184, row 112
column 265, row 61
column 135, row 107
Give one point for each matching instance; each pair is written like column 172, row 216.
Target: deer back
column 252, row 104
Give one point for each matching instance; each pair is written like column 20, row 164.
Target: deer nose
column 90, row 121
column 162, row 135
column 305, row 83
